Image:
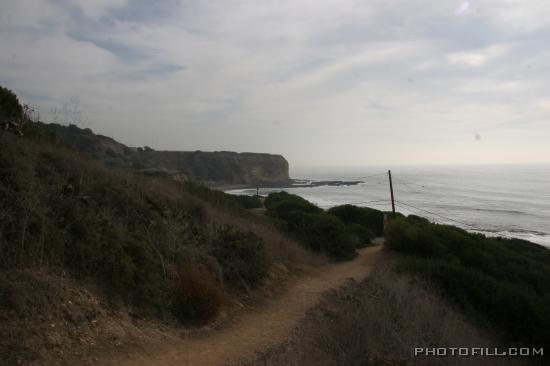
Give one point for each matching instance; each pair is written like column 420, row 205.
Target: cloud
column 479, row 57
column 322, row 82
column 97, row 8
column 463, row 8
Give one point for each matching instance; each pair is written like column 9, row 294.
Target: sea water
column 497, row 200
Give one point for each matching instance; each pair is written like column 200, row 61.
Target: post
column 391, row 191
column 257, row 190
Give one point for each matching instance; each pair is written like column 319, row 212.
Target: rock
column 53, row 340
column 116, row 332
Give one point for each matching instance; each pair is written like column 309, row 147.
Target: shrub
column 359, row 236
column 312, row 226
column 9, row 105
column 196, row 295
column 248, row 202
column 325, row 233
column 282, row 204
column 370, row 218
column 236, row 203
column 242, row 257
column 505, row 283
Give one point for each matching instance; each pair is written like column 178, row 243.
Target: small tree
column 10, row 108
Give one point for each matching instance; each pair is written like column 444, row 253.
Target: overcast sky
column 335, row 83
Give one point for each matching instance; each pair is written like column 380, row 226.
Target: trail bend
column 260, row 327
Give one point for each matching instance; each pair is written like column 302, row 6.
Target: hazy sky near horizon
column 323, row 82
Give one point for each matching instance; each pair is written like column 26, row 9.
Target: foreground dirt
column 260, row 328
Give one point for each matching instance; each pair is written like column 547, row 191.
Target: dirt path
column 262, row 327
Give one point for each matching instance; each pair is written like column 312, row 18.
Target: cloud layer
column 347, row 82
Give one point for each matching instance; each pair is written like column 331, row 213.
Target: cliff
column 219, row 167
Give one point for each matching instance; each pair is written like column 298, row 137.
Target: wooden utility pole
column 391, row 191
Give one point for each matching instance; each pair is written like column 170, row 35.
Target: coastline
column 292, row 183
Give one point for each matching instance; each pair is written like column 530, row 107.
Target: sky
column 344, row 83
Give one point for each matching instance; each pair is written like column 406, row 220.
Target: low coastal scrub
column 502, row 283
column 10, row 108
column 235, row 203
column 337, row 233
column 242, row 257
column 369, row 218
column 138, row 238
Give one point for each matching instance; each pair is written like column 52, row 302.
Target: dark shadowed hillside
column 219, row 167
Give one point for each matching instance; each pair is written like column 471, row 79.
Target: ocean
column 510, row 201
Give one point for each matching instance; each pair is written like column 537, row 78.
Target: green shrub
column 370, row 218
column 359, row 236
column 236, row 203
column 282, row 204
column 324, row 233
column 312, row 226
column 60, row 210
column 196, row 295
column 505, row 283
column 9, row 105
column 248, row 202
column 242, row 257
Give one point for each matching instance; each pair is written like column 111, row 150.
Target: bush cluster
column 317, row 229
column 10, row 108
column 369, row 218
column 236, row 203
column 503, row 282
column 242, row 257
column 197, row 297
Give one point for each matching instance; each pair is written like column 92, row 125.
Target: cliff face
column 220, row 167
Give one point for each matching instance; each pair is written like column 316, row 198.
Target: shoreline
column 292, row 183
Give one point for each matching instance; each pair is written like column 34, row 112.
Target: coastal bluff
column 216, row 168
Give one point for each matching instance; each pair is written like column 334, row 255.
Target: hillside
column 83, row 244
column 219, row 167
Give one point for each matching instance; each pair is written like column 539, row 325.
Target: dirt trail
column 263, row 327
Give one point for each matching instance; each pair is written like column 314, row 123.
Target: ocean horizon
column 511, row 201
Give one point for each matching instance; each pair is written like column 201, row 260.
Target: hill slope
column 219, row 167
column 146, row 244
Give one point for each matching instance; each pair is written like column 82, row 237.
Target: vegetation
column 138, row 238
column 197, row 295
column 234, row 203
column 10, row 108
column 505, row 283
column 335, row 235
column 379, row 322
column 242, row 257
column 370, row 219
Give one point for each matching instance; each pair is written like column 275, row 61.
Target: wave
column 496, row 210
column 532, row 236
column 490, row 210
